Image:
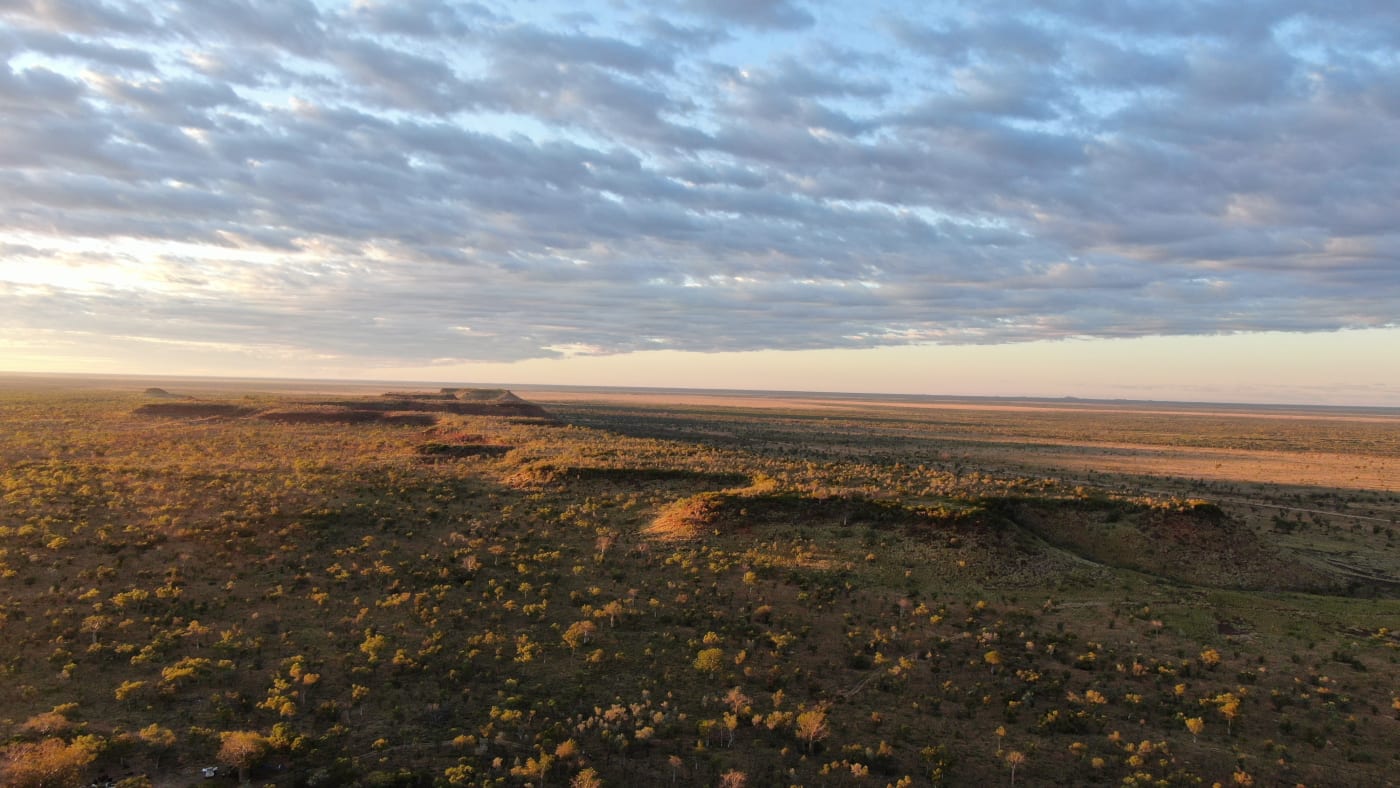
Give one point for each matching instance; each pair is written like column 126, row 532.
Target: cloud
column 763, row 14
column 528, row 41
column 997, row 38
column 408, row 182
column 94, row 17
column 420, row 18
column 391, row 77
column 56, row 45
column 293, row 26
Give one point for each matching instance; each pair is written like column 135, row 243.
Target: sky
column 1096, row 198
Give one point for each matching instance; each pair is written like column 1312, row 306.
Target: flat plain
column 323, row 584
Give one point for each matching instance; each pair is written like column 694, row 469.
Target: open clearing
column 334, row 586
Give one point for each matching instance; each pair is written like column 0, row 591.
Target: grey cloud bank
column 430, row 180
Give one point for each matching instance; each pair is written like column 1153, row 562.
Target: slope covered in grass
column 339, row 605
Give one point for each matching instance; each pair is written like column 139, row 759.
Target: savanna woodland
column 465, row 588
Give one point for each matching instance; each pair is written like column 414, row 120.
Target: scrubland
column 463, row 589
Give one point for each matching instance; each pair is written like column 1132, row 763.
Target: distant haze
column 1098, row 198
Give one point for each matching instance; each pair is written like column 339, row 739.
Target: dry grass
column 381, row 620
column 1336, row 448
column 686, row 520
column 193, row 410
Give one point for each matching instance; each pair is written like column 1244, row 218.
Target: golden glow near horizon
column 1340, row 368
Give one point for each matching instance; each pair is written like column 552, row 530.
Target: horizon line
column 711, row 391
